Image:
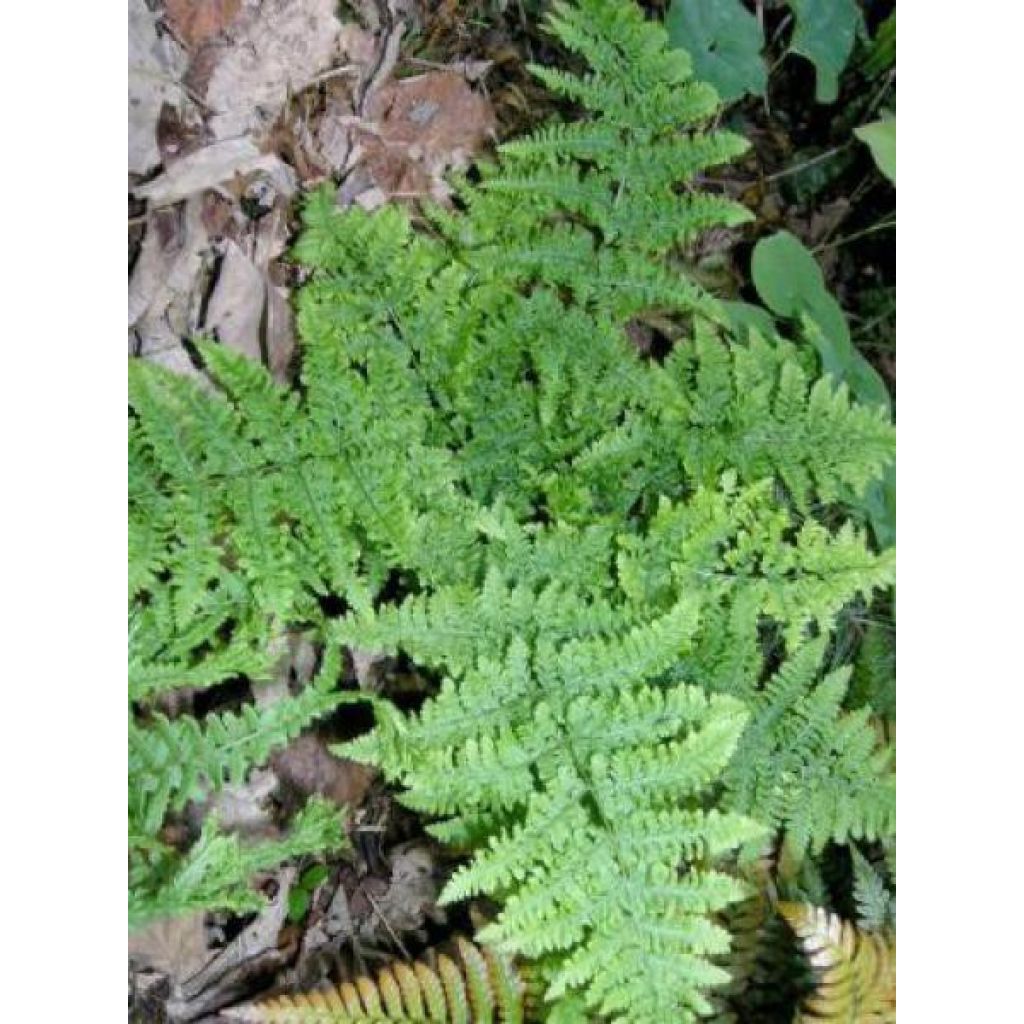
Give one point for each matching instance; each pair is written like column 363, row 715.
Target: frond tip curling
column 855, row 971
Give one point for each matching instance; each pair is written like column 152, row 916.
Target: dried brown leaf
column 306, row 766
column 235, row 310
column 196, row 21
column 174, row 946
column 178, row 132
column 424, row 127
column 244, row 808
column 280, row 330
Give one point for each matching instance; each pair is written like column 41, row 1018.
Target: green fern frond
column 875, row 903
column 805, row 765
column 171, row 761
column 215, row 873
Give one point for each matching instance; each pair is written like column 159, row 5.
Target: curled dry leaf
column 252, row 315
column 254, row 953
column 279, row 329
column 213, row 165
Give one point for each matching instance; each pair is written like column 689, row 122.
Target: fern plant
column 809, row 767
column 855, row 971
column 602, row 556
column 470, row 984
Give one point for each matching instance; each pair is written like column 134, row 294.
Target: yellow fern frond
column 473, row 985
column 855, row 971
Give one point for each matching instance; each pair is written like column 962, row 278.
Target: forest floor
column 236, row 110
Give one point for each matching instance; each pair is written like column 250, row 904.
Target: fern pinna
column 602, row 555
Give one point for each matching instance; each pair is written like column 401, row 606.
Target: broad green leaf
column 790, row 282
column 880, row 503
column 786, row 275
column 880, row 136
column 298, row 904
column 824, row 34
column 839, row 357
column 724, row 40
column 824, row 326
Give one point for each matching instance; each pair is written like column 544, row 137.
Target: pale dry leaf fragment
column 165, row 349
column 174, row 946
column 251, row 315
column 211, row 166
column 356, row 44
column 244, row 808
column 369, row 667
column 166, row 288
column 274, row 49
column 155, row 67
column 410, row 898
column 371, row 199
column 334, row 133
column 322, row 939
column 271, row 237
column 280, row 331
column 235, row 310
column 160, row 247
column 177, row 278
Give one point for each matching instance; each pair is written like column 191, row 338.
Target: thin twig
column 345, row 69
column 387, row 924
column 806, row 163
column 880, row 95
column 857, row 234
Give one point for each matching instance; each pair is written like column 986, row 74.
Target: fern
column 601, row 556
column 173, row 761
column 470, row 985
column 875, row 903
column 216, row 871
column 809, row 767
column 855, row 971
